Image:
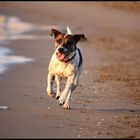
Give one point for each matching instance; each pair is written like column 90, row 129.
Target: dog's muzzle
column 61, row 53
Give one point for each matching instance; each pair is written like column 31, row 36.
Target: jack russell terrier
column 66, row 62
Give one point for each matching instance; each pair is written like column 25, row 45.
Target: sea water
column 13, row 28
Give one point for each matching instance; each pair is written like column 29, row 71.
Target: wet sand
column 106, row 103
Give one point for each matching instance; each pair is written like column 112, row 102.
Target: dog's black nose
column 61, row 50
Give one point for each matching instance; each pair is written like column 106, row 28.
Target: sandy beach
column 106, row 104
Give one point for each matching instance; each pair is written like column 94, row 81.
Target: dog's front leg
column 50, row 85
column 67, row 100
column 67, row 90
column 57, row 80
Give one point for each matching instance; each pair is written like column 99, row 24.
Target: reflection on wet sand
column 13, row 28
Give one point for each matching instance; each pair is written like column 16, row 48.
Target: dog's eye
column 59, row 41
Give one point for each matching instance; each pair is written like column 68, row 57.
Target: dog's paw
column 61, row 102
column 66, row 106
column 52, row 94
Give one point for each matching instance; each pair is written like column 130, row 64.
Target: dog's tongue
column 60, row 56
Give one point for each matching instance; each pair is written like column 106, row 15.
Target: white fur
column 69, row 70
column 69, row 31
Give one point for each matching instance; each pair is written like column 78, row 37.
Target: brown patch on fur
column 58, row 39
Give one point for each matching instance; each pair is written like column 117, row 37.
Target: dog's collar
column 68, row 60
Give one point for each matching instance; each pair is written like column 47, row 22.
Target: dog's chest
column 62, row 69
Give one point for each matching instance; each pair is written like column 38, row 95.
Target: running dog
column 66, row 62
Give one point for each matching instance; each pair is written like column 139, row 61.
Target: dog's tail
column 69, row 31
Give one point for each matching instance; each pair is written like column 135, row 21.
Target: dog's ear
column 77, row 37
column 55, row 32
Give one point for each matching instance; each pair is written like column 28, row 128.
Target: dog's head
column 65, row 43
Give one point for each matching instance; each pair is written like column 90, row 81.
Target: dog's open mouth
column 60, row 56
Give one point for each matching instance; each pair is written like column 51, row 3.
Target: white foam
column 11, row 26
column 3, row 107
column 6, row 59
